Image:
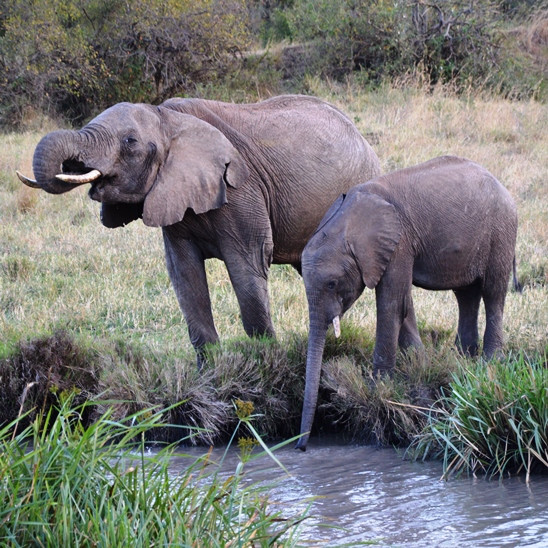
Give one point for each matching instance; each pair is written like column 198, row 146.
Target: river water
column 366, row 494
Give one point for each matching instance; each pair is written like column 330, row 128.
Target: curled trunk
column 56, row 153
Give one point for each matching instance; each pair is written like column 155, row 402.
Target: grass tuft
column 39, row 371
column 493, row 419
column 385, row 411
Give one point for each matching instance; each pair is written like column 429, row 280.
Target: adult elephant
column 444, row 224
column 244, row 183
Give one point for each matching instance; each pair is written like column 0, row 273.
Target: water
column 367, row 494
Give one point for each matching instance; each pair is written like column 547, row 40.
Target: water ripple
column 368, row 494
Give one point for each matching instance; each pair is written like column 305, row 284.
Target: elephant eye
column 129, row 140
column 331, row 285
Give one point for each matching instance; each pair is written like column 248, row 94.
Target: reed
column 493, row 419
column 64, row 483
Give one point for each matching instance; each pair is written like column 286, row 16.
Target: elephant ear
column 115, row 215
column 200, row 162
column 335, row 206
column 374, row 231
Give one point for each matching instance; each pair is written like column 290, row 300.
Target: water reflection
column 374, row 495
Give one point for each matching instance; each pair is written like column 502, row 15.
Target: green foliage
column 73, row 59
column 384, row 38
column 445, row 41
column 47, row 62
column 65, row 484
column 493, row 420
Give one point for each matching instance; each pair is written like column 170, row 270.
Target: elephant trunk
column 56, row 153
column 316, row 344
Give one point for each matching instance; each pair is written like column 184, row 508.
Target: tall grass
column 66, row 484
column 493, row 420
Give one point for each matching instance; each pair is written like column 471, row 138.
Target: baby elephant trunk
column 316, row 344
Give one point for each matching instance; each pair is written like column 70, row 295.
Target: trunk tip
column 301, row 444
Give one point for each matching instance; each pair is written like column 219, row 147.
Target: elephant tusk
column 29, row 182
column 79, row 179
column 337, row 326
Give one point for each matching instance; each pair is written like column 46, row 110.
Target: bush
column 447, row 40
column 73, row 59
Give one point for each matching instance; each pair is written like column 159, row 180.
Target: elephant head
column 349, row 251
column 141, row 161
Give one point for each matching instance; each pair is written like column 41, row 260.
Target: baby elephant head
column 350, row 250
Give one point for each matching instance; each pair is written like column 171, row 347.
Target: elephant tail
column 518, row 288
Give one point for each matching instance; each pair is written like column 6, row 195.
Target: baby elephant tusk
column 79, row 179
column 337, row 326
column 29, row 182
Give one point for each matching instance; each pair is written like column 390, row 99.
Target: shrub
column 73, row 59
column 447, row 40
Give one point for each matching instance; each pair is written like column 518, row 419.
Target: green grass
column 67, row 483
column 493, row 420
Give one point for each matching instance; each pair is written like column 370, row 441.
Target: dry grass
column 61, row 269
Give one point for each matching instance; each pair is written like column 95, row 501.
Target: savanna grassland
column 92, row 308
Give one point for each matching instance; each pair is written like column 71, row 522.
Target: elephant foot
column 201, row 357
column 380, row 373
column 494, row 354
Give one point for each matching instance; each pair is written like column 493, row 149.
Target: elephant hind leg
column 468, row 299
column 494, row 296
column 493, row 337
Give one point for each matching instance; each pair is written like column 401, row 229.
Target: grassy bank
column 87, row 306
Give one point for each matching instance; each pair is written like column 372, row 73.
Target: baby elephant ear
column 199, row 164
column 374, row 230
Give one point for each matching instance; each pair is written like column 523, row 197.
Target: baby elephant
column 444, row 224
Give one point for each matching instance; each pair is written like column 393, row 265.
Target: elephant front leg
column 186, row 268
column 409, row 333
column 395, row 315
column 390, row 316
column 250, row 284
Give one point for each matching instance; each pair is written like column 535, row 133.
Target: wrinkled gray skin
column 444, row 224
column 247, row 184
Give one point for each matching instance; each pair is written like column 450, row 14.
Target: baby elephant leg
column 493, row 339
column 468, row 299
column 409, row 334
column 394, row 314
